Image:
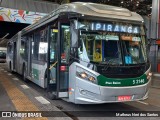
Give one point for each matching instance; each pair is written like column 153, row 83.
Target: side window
column 2, row 54
column 35, row 45
column 65, row 43
column 43, row 46
column 40, row 45
column 24, row 48
column 9, row 49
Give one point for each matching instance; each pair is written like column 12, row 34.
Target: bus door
column 52, row 61
column 58, row 62
column 14, row 55
column 30, row 48
column 64, row 60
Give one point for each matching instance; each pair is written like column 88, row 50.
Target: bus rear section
column 3, row 54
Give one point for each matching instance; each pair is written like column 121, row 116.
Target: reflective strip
column 24, row 86
column 42, row 100
column 63, row 94
column 15, row 78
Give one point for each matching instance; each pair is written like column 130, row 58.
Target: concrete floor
column 30, row 92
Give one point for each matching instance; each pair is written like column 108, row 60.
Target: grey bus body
column 59, row 53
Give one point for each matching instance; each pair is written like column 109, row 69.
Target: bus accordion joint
column 53, row 65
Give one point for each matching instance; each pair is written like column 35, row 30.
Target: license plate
column 124, row 98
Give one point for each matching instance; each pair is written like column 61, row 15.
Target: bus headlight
column 86, row 76
column 92, row 79
column 149, row 75
column 83, row 75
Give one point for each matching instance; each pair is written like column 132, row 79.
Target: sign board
column 115, row 27
column 43, row 47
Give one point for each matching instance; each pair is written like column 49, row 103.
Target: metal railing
column 154, row 58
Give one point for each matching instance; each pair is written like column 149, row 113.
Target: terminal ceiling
column 143, row 7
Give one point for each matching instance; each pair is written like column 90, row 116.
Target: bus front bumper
column 89, row 93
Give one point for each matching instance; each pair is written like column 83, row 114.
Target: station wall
column 19, row 16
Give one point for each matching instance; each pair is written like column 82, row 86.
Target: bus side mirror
column 74, row 51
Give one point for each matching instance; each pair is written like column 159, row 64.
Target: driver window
column 134, row 49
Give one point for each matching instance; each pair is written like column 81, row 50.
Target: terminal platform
column 16, row 95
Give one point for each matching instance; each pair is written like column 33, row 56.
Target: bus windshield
column 2, row 54
column 112, row 44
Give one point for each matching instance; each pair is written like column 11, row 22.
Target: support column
column 155, row 19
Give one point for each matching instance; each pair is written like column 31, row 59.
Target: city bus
column 85, row 53
column 3, row 51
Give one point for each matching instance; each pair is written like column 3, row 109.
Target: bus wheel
column 24, row 74
column 50, row 94
column 10, row 67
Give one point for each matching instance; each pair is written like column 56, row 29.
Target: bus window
column 65, row 38
column 24, row 48
column 9, row 49
column 54, row 35
column 43, row 45
column 40, row 45
column 2, row 54
column 111, row 51
column 98, row 51
column 133, row 49
column 35, row 45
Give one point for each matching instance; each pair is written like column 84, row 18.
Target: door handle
column 53, row 65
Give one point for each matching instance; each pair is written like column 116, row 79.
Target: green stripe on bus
column 113, row 82
column 35, row 73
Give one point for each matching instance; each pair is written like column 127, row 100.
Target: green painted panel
column 35, row 73
column 113, row 82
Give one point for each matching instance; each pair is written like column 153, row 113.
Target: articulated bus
column 3, row 51
column 85, row 53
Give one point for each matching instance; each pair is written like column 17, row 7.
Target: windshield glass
column 2, row 54
column 134, row 51
column 100, row 47
column 112, row 43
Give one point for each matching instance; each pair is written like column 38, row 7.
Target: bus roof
column 88, row 9
column 101, row 10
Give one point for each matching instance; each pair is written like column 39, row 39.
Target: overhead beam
column 5, row 36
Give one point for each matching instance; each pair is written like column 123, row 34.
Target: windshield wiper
column 113, row 61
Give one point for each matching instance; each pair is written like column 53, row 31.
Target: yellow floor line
column 20, row 101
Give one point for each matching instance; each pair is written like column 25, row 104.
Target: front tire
column 10, row 67
column 50, row 94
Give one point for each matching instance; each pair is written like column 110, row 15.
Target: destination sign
column 115, row 27
column 110, row 26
